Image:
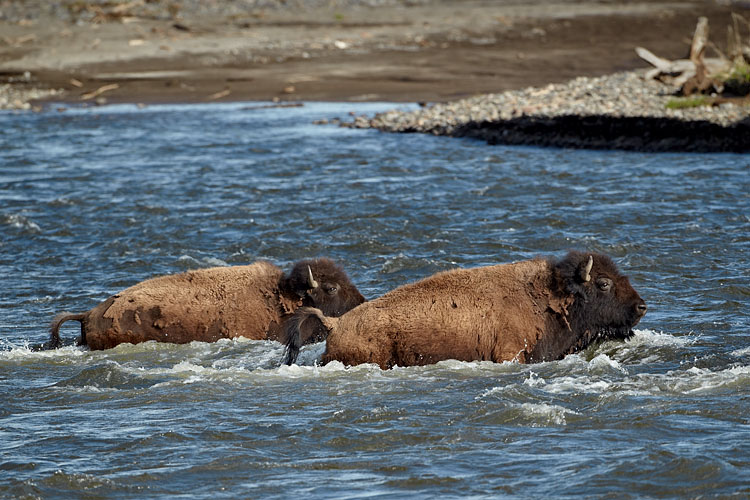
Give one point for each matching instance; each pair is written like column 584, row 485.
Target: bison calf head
column 322, row 284
column 606, row 305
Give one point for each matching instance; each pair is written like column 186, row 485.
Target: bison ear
column 584, row 270
column 311, row 283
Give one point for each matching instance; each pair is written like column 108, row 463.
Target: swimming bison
column 250, row 301
column 530, row 311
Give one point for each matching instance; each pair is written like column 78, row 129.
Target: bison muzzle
column 251, row 301
column 528, row 312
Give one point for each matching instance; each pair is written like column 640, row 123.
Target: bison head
column 322, row 284
column 606, row 306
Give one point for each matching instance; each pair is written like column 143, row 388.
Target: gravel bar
column 618, row 111
column 21, row 91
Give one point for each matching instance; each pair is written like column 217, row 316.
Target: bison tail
column 306, row 326
column 55, row 342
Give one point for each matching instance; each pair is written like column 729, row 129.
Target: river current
column 95, row 200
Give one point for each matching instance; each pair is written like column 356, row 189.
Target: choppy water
column 93, row 201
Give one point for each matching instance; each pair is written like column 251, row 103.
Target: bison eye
column 604, row 284
column 332, row 290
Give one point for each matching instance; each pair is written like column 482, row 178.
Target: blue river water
column 95, row 200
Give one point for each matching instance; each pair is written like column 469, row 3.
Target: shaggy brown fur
column 209, row 304
column 529, row 311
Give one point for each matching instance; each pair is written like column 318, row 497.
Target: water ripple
column 95, row 200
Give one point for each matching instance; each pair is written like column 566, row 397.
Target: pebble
column 78, row 11
column 13, row 96
column 622, row 110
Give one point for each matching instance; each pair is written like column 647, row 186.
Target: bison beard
column 208, row 304
column 530, row 311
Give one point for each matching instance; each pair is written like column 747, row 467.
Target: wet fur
column 528, row 312
column 60, row 318
column 306, row 326
column 208, row 304
column 335, row 293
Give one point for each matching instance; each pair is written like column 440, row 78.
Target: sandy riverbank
column 386, row 50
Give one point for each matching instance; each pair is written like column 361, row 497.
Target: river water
column 95, row 200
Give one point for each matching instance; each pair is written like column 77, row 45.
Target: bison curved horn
column 586, row 275
column 310, row 280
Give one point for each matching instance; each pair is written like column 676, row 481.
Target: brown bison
column 209, row 304
column 531, row 311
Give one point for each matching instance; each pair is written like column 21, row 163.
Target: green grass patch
column 689, row 102
column 741, row 72
column 737, row 80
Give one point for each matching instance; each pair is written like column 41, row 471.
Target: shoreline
column 446, row 53
column 342, row 50
column 618, row 111
column 622, row 111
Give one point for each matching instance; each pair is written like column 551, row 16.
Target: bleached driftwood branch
column 690, row 75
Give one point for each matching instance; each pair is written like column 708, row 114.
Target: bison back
column 203, row 305
column 490, row 313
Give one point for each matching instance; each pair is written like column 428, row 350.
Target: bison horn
column 310, row 280
column 587, row 270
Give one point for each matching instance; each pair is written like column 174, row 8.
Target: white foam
column 548, row 414
column 478, row 368
column 603, row 362
column 700, row 380
column 88, row 389
column 183, row 372
column 455, row 365
column 654, row 338
column 333, row 369
column 189, row 260
column 646, row 346
column 311, row 354
column 25, row 353
column 573, row 375
column 568, row 385
column 214, row 262
column 21, row 222
column 491, row 392
column 188, row 367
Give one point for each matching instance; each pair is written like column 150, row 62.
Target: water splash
column 21, row 222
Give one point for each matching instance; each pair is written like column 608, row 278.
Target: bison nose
column 641, row 308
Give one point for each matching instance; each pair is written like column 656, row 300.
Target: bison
column 250, row 301
column 528, row 312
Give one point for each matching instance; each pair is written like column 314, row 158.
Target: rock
column 15, row 96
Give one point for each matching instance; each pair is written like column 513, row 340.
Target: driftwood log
column 693, row 75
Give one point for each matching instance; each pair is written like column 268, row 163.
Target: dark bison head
column 606, row 306
column 322, row 284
